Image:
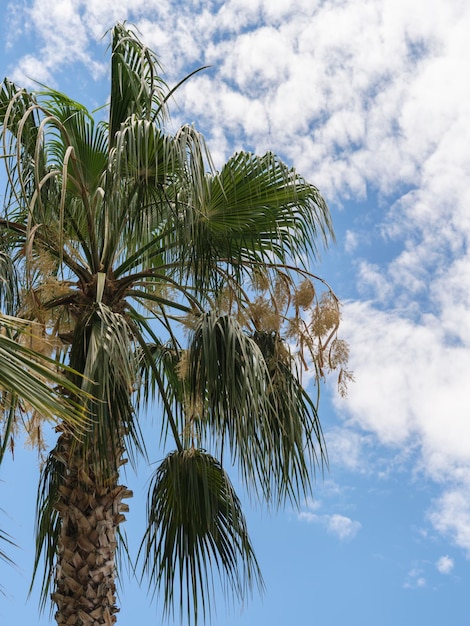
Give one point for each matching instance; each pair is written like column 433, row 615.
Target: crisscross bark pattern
column 90, row 512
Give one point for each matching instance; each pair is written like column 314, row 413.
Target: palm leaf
column 251, row 398
column 196, row 527
column 103, row 349
column 26, row 374
column 136, row 84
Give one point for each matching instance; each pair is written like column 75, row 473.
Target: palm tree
column 158, row 278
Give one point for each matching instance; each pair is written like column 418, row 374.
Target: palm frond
column 268, row 209
column 8, row 284
column 255, row 211
column 48, row 523
column 195, row 528
column 103, row 349
column 5, row 538
column 142, row 166
column 136, row 83
column 26, row 374
column 245, row 392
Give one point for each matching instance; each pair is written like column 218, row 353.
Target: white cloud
column 346, row 448
column 411, row 389
column 451, row 515
column 445, row 564
column 415, row 579
column 343, row 527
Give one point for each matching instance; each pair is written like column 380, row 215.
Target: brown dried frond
column 189, row 322
column 37, row 338
column 304, row 294
column 51, row 289
column 43, row 262
column 325, row 315
column 242, row 316
column 34, row 302
column 295, row 327
column 225, row 299
column 156, row 288
column 193, row 408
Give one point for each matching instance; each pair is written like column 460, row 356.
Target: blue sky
column 370, row 101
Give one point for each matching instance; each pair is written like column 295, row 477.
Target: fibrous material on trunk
column 90, row 511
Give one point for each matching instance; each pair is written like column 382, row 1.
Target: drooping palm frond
column 47, row 531
column 104, row 350
column 8, row 284
column 196, row 527
column 20, row 124
column 247, row 399
column 295, row 446
column 5, row 538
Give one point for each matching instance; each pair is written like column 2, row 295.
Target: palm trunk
column 90, row 510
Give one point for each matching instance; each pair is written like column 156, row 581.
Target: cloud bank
column 370, row 100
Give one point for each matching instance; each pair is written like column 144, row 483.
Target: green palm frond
column 48, row 522
column 14, row 104
column 143, row 163
column 19, row 120
column 267, row 207
column 136, row 83
column 196, row 527
column 292, row 444
column 247, row 397
column 255, row 211
column 104, row 350
column 161, row 383
column 8, row 284
column 5, row 538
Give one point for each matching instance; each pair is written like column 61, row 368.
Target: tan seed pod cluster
column 325, row 316
column 264, row 315
column 304, row 295
column 259, row 280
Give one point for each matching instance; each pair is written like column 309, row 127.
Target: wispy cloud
column 415, row 579
column 445, row 564
column 341, row 526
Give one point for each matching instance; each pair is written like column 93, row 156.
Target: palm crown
column 125, row 235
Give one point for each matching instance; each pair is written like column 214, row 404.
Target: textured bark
column 90, row 510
